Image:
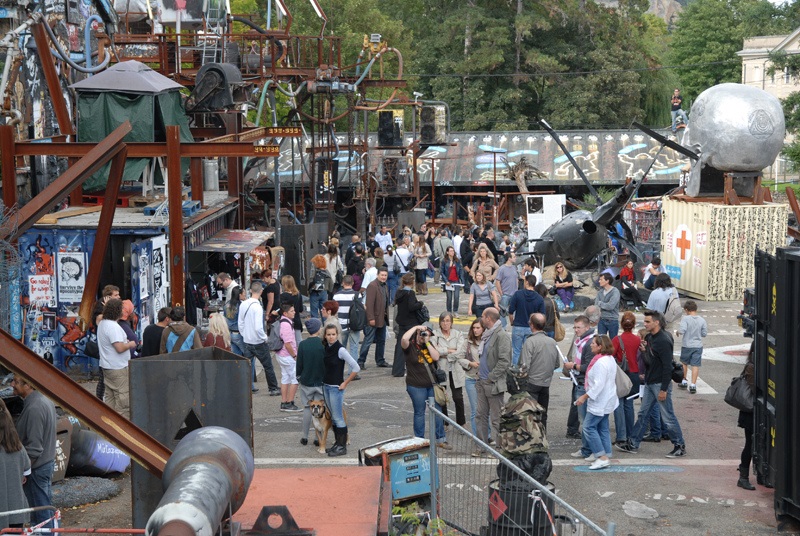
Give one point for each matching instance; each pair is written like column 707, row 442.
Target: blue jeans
column 505, row 299
column 452, row 299
column 237, row 343
column 578, row 391
column 595, row 431
column 625, row 415
column 608, row 327
column 316, row 298
column 655, row 422
column 334, row 399
column 261, row 352
column 419, row 395
column 472, row 395
column 668, row 420
column 37, row 491
column 378, row 335
column 392, row 282
column 675, row 114
column 518, row 335
column 351, row 340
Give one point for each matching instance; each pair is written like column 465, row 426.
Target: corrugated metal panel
column 707, row 249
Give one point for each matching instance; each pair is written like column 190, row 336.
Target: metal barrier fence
column 487, row 495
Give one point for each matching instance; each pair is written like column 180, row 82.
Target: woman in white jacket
column 452, row 345
column 601, row 394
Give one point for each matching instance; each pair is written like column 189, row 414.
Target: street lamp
column 495, row 206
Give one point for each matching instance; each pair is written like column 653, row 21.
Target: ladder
column 213, row 31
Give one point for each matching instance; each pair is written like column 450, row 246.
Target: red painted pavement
column 334, row 501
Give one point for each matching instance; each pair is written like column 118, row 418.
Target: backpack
column 186, row 341
column 320, row 277
column 521, row 430
column 357, row 316
column 674, row 310
column 274, row 341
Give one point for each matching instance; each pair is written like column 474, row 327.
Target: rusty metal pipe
column 210, row 469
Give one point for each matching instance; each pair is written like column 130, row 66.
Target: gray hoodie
column 608, row 302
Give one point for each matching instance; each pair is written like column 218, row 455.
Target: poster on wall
column 71, row 268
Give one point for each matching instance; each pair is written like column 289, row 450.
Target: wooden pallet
column 141, row 201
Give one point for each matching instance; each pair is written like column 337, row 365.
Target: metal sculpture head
column 733, row 128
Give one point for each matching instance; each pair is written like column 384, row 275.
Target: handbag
column 439, row 391
column 559, row 331
column 422, row 314
column 623, row 383
column 624, row 364
column 740, row 395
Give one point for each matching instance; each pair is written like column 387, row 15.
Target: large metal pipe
column 211, row 468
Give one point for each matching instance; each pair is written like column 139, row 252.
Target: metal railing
column 488, row 495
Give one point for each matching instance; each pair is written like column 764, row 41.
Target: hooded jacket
column 523, row 304
column 179, row 328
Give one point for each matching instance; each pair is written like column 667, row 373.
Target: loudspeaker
column 433, row 125
column 327, row 180
column 390, row 128
column 394, row 173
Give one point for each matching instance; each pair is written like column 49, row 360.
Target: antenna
column 572, row 161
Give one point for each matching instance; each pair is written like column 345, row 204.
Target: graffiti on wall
column 53, row 276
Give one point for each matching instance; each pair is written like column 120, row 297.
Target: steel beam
column 63, row 185
column 196, row 173
column 177, row 262
column 57, row 386
column 102, row 237
column 151, row 149
column 51, row 77
column 9, row 162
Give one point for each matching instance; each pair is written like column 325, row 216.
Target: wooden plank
column 52, row 219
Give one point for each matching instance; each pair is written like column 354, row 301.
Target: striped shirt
column 345, row 299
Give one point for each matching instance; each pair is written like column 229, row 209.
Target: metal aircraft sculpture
column 579, row 237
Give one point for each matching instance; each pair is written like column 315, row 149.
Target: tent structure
column 129, row 91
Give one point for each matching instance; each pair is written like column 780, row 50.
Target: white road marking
column 719, row 353
column 463, row 460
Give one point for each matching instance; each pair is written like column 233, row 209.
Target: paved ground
column 693, row 495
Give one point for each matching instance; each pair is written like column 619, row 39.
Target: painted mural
column 53, row 275
column 604, row 156
column 149, row 288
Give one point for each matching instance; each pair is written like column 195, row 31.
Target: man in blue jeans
column 523, row 304
column 37, row 431
column 607, row 300
column 377, row 308
column 658, row 347
column 506, row 281
column 582, row 356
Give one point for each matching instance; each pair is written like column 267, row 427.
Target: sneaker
column 304, row 441
column 492, row 443
column 283, row 406
column 444, row 445
column 678, row 452
column 478, row 453
column 651, row 439
column 275, row 392
column 291, row 407
column 693, row 389
column 590, row 458
column 254, row 390
column 630, row 449
column 684, row 384
column 577, row 454
column 575, row 435
column 357, row 377
column 599, row 464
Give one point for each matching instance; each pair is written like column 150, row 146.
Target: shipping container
column 707, row 248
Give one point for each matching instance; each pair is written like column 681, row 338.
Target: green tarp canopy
column 129, row 91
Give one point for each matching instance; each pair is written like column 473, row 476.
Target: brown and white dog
column 321, row 416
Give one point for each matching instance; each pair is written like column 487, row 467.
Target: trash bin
column 510, row 512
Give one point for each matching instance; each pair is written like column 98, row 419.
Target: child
column 693, row 328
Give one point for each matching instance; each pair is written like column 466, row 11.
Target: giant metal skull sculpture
column 733, row 128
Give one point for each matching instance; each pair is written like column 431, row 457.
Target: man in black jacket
column 658, row 347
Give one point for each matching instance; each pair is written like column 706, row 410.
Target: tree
column 708, row 35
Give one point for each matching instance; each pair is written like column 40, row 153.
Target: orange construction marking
column 334, row 501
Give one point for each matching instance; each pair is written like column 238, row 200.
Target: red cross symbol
column 684, row 244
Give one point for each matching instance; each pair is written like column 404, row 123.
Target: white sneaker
column 577, row 454
column 590, row 458
column 599, row 464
